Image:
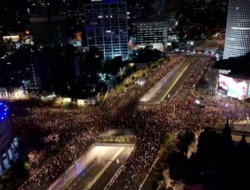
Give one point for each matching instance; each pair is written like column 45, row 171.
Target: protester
column 69, row 132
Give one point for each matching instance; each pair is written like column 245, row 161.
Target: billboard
column 236, row 88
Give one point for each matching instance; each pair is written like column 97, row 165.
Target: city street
column 154, row 93
column 171, row 85
column 169, row 82
column 101, row 169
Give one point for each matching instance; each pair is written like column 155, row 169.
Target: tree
column 113, row 65
column 184, row 140
column 177, row 166
column 146, row 55
column 91, row 61
column 207, row 145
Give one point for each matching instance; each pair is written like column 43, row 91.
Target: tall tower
column 107, row 27
column 237, row 42
column 48, row 20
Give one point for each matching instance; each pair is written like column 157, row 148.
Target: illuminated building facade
column 107, row 28
column 152, row 31
column 237, row 42
column 7, row 144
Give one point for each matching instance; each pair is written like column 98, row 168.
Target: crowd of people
column 56, row 137
column 53, row 138
column 135, row 92
column 151, row 125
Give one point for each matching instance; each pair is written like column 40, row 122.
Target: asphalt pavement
column 101, row 169
column 181, row 80
column 162, row 93
column 110, row 172
column 148, row 183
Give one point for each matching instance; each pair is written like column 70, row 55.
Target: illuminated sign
column 235, row 88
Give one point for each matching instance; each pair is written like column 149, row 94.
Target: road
column 101, row 169
column 173, row 84
column 162, row 93
column 149, row 96
column 180, row 80
column 148, row 183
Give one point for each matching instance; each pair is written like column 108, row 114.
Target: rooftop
column 239, row 66
column 116, row 132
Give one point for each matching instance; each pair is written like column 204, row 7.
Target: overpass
column 97, row 167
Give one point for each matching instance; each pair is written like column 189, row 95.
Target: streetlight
column 198, row 104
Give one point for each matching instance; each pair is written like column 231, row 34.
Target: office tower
column 140, row 9
column 50, row 30
column 159, row 7
column 6, row 138
column 171, row 19
column 237, row 42
column 107, row 28
column 152, row 31
column 46, row 7
column 49, row 22
column 13, row 17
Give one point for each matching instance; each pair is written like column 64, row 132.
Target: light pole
column 198, row 102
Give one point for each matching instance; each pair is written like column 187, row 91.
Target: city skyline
column 237, row 41
column 124, row 94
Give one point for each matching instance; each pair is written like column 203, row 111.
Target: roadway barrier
column 115, row 144
column 152, row 103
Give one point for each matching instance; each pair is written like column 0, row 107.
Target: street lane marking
column 175, row 82
column 105, row 168
column 158, row 86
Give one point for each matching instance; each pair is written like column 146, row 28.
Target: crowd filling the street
column 54, row 137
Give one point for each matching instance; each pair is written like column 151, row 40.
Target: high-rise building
column 159, row 7
column 7, row 143
column 49, row 22
column 152, row 31
column 140, row 9
column 46, row 7
column 50, row 30
column 13, row 17
column 237, row 40
column 75, row 16
column 107, row 28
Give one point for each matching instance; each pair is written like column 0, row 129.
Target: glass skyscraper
column 237, row 40
column 107, row 28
